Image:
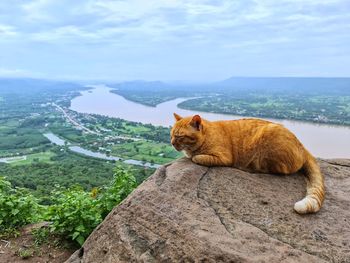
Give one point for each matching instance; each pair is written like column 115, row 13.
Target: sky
column 174, row 40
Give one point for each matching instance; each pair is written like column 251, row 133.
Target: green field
column 42, row 157
column 149, row 151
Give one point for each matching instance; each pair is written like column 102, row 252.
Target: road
column 82, row 127
column 75, row 123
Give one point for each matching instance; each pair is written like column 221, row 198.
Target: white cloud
column 118, row 11
column 36, row 10
column 6, row 31
column 63, row 33
column 130, row 32
column 107, row 20
column 258, row 42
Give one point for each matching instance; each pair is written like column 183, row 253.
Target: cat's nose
column 177, row 147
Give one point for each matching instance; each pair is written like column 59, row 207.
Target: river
column 326, row 141
column 77, row 149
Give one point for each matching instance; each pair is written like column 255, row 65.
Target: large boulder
column 190, row 213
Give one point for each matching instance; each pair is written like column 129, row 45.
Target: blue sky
column 191, row 40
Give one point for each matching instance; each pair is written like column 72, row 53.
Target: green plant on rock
column 121, row 186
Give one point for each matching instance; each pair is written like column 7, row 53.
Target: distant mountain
column 141, row 85
column 28, row 85
column 296, row 84
column 275, row 84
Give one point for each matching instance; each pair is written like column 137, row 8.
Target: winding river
column 326, row 141
column 77, row 149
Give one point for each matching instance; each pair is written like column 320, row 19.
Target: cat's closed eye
column 188, row 139
column 183, row 137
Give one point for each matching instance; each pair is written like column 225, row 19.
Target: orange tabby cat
column 252, row 145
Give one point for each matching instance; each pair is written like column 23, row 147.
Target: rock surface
column 190, row 213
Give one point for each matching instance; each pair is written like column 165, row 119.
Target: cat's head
column 187, row 133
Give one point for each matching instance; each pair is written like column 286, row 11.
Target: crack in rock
column 208, row 203
column 335, row 163
column 280, row 240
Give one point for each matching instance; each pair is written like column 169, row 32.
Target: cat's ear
column 177, row 117
column 196, row 122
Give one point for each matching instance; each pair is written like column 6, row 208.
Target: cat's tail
column 315, row 188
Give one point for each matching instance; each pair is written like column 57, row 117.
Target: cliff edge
column 189, row 213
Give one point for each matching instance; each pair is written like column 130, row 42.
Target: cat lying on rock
column 252, row 145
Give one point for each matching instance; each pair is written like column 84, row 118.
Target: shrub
column 74, row 214
column 122, row 184
column 17, row 207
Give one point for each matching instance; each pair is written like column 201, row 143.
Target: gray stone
column 190, row 213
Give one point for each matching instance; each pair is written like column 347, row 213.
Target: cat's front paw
column 195, row 159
